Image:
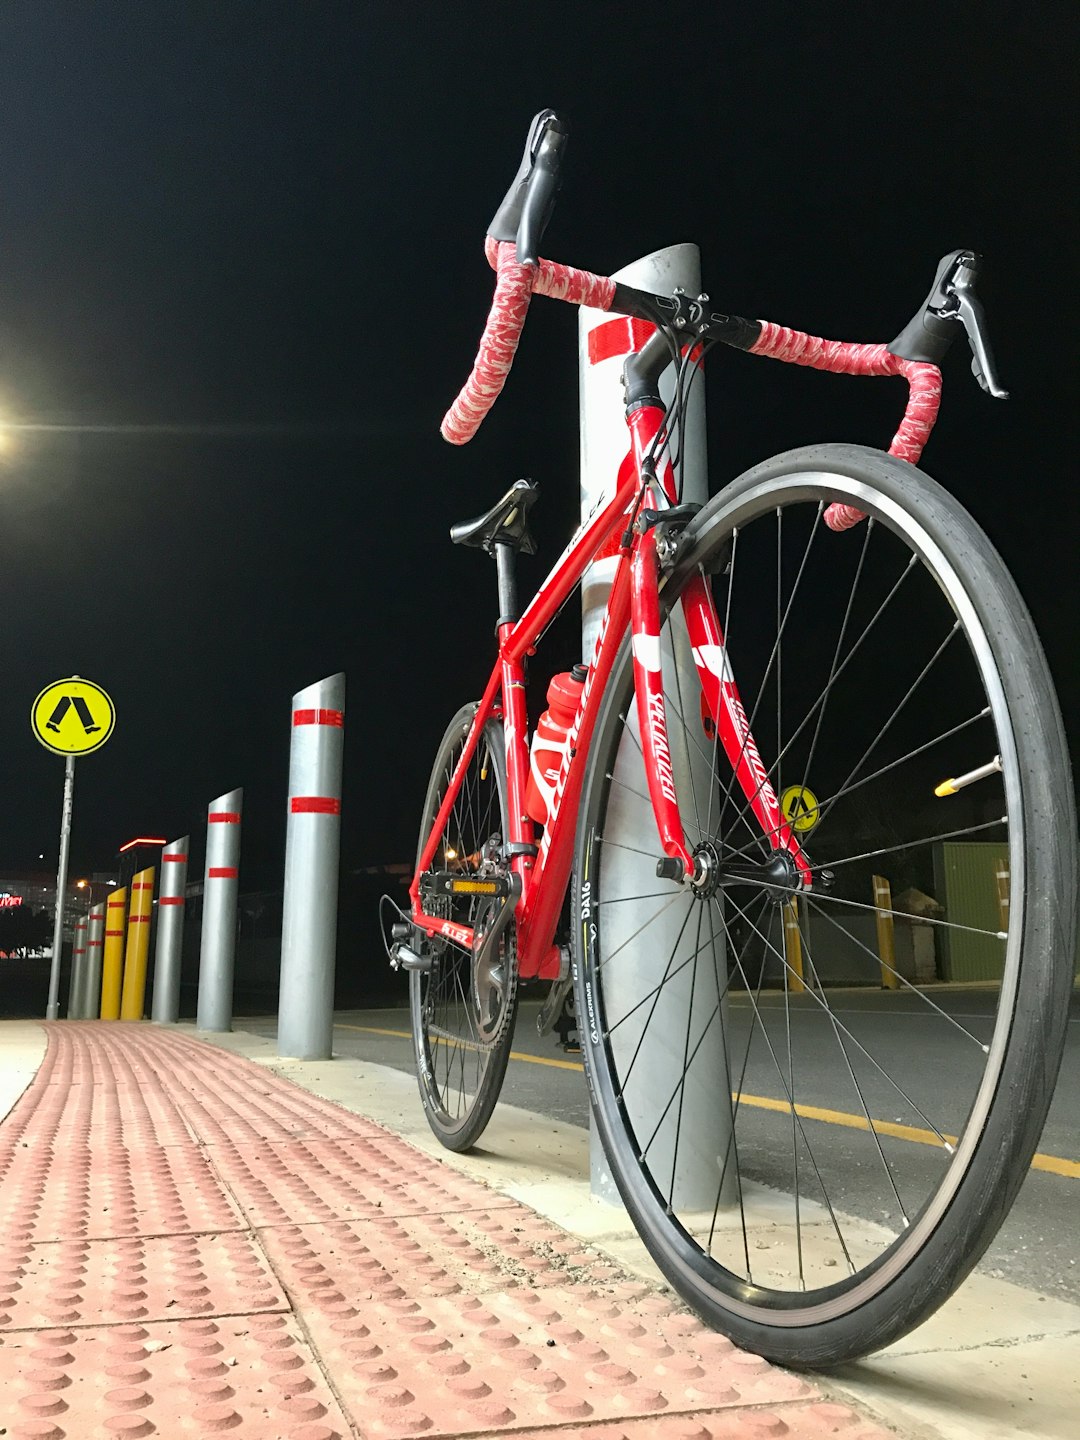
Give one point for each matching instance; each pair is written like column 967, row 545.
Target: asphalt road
column 1039, row 1244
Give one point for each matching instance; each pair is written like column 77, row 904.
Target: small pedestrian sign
column 72, row 717
column 800, row 808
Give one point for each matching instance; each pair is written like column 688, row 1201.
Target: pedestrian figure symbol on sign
column 82, row 710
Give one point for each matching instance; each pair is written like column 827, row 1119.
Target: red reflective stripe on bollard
column 617, row 337
column 315, row 805
column 171, row 900
column 93, row 943
column 116, row 904
column 174, row 859
column 114, row 932
column 138, row 919
column 319, row 717
column 143, row 885
column 222, row 872
column 224, row 817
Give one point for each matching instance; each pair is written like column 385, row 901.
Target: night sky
column 241, row 270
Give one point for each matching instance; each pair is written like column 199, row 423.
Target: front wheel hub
column 778, row 876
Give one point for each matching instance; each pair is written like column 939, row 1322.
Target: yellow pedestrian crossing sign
column 800, row 808
column 73, row 716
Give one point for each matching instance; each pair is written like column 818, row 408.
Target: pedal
column 436, row 883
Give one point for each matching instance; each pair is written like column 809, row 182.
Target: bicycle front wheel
column 462, row 1016
column 818, row 1106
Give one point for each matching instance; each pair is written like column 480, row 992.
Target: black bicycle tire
column 1028, row 1071
column 463, row 1137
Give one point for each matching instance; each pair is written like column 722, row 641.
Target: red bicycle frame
column 634, row 601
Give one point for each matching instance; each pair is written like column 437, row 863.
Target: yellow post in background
column 138, row 946
column 112, row 957
column 793, row 947
column 885, row 939
column 1001, row 878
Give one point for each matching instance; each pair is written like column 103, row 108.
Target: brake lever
column 932, row 330
column 539, row 197
column 969, row 307
column 527, row 205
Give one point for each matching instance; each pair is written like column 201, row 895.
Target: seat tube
column 516, row 733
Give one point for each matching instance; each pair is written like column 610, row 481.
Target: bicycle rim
column 462, row 1021
column 859, row 1115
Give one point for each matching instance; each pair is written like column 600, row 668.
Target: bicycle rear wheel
column 463, row 1020
column 879, row 1125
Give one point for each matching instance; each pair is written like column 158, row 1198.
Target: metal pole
column 52, row 1009
column 692, row 994
column 165, row 1008
column 312, row 850
column 78, row 970
column 133, row 995
column 221, row 889
column 95, row 944
column 112, row 964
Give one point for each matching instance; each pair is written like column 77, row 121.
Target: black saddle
column 506, row 523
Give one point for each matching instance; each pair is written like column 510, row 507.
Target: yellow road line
column 1052, row 1164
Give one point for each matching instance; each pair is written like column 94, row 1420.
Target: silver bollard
column 221, row 888
column 78, row 965
column 95, row 944
column 705, row 1122
column 170, row 932
column 312, row 849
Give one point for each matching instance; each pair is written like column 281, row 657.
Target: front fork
column 722, row 698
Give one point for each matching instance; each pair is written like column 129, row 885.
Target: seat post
column 505, row 564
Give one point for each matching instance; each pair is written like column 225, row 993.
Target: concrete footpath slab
column 997, row 1362
column 22, row 1049
column 192, row 1244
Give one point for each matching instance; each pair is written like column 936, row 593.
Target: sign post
column 70, row 717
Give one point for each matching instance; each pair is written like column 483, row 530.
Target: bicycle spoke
column 923, row 919
column 805, row 942
column 826, row 803
column 894, row 591
column 824, row 1005
column 677, row 896
column 645, row 1028
column 901, row 978
column 768, row 670
column 795, row 1113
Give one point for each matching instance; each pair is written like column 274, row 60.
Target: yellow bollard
column 793, row 948
column 1001, row 878
column 112, row 957
column 885, row 941
column 138, row 946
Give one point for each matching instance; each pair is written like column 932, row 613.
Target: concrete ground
column 1037, row 1247
column 1001, row 1359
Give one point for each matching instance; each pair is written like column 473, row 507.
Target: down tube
column 545, row 901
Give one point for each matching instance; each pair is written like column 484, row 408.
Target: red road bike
column 815, row 1143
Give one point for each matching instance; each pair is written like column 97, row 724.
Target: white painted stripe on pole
column 168, row 951
column 221, row 888
column 312, row 863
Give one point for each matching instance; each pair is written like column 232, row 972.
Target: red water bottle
column 549, row 741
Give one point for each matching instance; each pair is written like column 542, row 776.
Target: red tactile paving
column 191, row 1246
